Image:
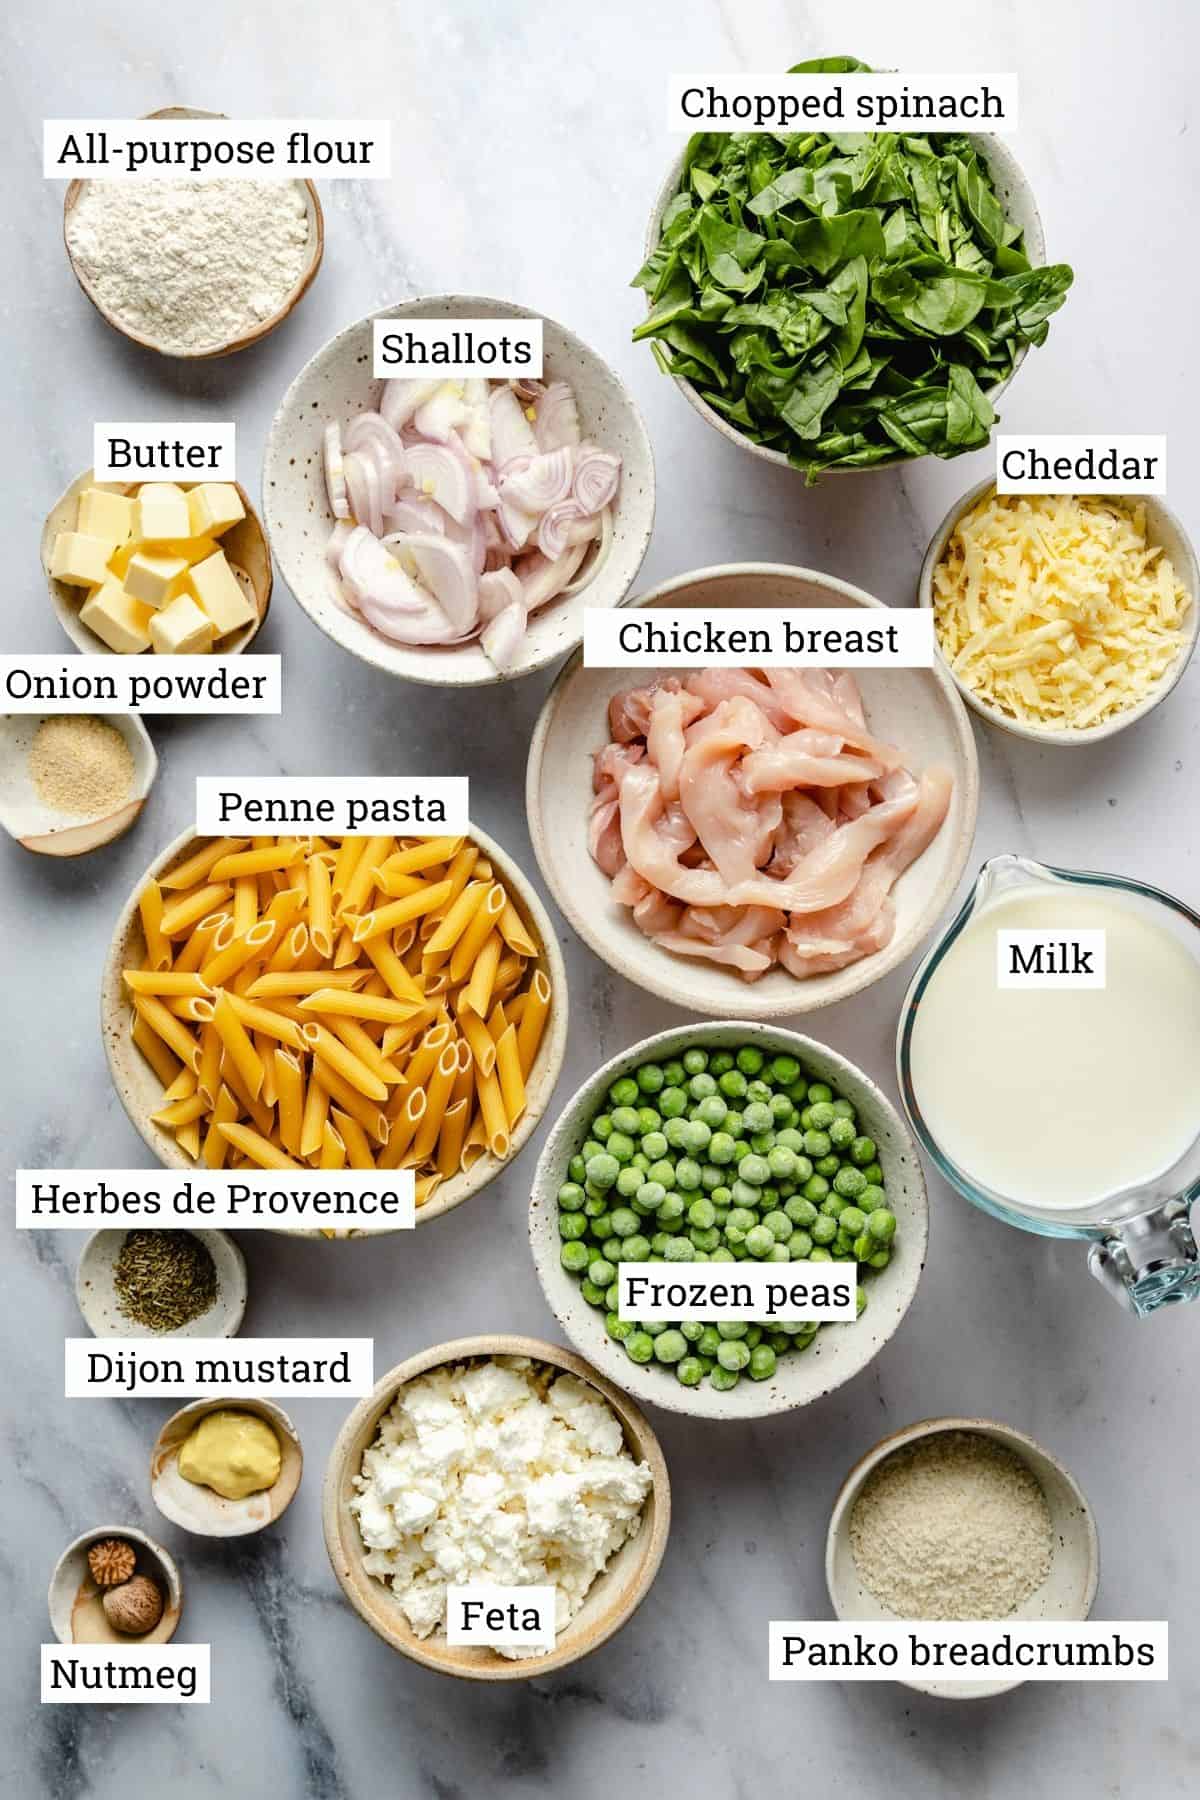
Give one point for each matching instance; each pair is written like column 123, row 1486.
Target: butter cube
column 192, row 550
column 116, row 617
column 181, row 629
column 121, row 558
column 213, row 507
column 221, row 594
column 160, row 511
column 80, row 558
column 105, row 515
column 155, row 580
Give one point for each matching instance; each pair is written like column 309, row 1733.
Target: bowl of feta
column 497, row 1463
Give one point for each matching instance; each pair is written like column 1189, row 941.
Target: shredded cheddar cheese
column 1055, row 607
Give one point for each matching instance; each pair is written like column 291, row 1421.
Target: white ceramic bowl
column 336, row 384
column 1016, row 196
column 140, row 1092
column 1067, row 1592
column 74, row 1614
column 612, row 1599
column 1162, row 527
column 41, row 828
column 97, row 1295
column 916, row 709
column 201, row 1509
column 838, row 1352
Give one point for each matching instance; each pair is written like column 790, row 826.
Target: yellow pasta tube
column 200, row 944
column 396, row 1037
column 236, row 1039
column 272, row 1021
column 533, row 1020
column 181, row 1088
column 397, row 886
column 198, row 865
column 495, row 1119
column 181, row 1112
column 404, row 1129
column 450, row 1139
column 266, row 1050
column 477, row 995
column 385, row 960
column 355, row 1139
column 316, row 1111
column 424, row 1188
column 464, row 1081
column 151, row 907
column 483, row 1048
column 398, row 912
column 209, row 1071
column 245, row 903
column 460, row 869
column 497, row 1022
column 289, row 953
column 349, row 852
column 289, row 1085
column 321, row 1041
column 177, row 983
column 514, row 933
column 345, row 951
column 361, row 882
column 360, row 1044
column 477, row 934
column 249, row 1102
column 320, row 907
column 437, row 1096
column 370, row 1116
column 151, row 1046
column 225, row 963
column 277, row 983
column 424, row 1058
column 188, row 1138
column 171, row 1030
column 350, row 1005
column 259, row 861
column 512, row 1082
column 258, row 1148
column 474, row 1144
column 182, row 914
column 333, row 1148
column 216, row 1144
column 195, row 1007
column 426, row 853
column 456, row 920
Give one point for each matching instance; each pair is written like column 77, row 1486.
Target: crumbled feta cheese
column 496, row 1473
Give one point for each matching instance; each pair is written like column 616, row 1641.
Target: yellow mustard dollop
column 234, row 1453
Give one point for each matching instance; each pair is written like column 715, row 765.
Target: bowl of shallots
column 451, row 530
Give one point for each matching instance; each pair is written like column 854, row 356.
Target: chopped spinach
column 843, row 298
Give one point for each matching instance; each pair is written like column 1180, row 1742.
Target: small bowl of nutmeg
column 115, row 1585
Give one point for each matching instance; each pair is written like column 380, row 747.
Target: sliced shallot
column 335, row 472
column 402, row 397
column 502, row 635
column 557, row 421
column 446, row 569
column 597, row 473
column 543, row 480
column 436, row 472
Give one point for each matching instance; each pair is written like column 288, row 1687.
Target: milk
column 1055, row 1098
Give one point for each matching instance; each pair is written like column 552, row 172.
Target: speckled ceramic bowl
column 1162, row 527
column 838, row 1352
column 1067, row 1592
column 613, row 1597
column 1016, row 196
column 915, row 709
column 95, row 1289
column 201, row 1509
column 336, row 385
column 76, row 1615
column 45, row 830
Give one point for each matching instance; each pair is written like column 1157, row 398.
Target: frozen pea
column 756, row 1117
column 629, row 1180
column 819, row 1092
column 602, row 1170
column 732, row 1328
column 778, row 1253
column 648, row 1120
column 650, row 1078
column 784, row 1070
column 711, row 1111
column 781, row 1162
column 782, row 1110
column 759, row 1241
column 860, row 1300
column 623, row 1092
column 662, row 1171
column 720, row 1061
column 780, row 1342
column 601, row 1273
column 722, row 1253
column 852, row 1222
column 849, row 1182
column 658, row 1246
column 880, row 1260
column 744, row 1195
column 612, row 1250
column 572, row 1225
column 779, row 1225
column 872, row 1199
column 574, row 1257
column 621, row 1146
column 577, row 1169
column 821, row 1116
column 732, row 1084
column 711, row 1178
column 754, row 1336
column 799, row 1245
column 672, row 1103
column 695, row 1060
column 571, row 1197
column 843, row 1109
column 819, row 1253
column 816, row 1188
column 696, row 1137
column 709, row 1341
column 613, row 1297
column 750, row 1060
column 689, row 1370
column 816, row 1144
column 635, row 1248
column 881, row 1224
column 692, row 1331
column 592, row 1294
column 864, row 1246
column 673, row 1207
column 833, row 1204
column 625, row 1118
column 687, row 1174
column 724, row 1379
column 654, row 1327
column 862, row 1151
column 720, row 1148
column 670, row 1346
column 759, row 1092
column 874, row 1174
column 841, row 1134
column 828, row 1166
column 654, row 1145
column 702, row 1213
column 733, row 1356
column 754, row 1169
column 823, row 1229
column 680, row 1249
column 762, row 1143
column 618, row 1328
column 701, row 1086
column 639, row 1348
column 800, row 1211
column 624, row 1222
column 762, row 1363
column 673, row 1072
column 602, row 1129
column 674, row 1131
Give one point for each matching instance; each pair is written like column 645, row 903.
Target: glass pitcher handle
column 1150, row 1261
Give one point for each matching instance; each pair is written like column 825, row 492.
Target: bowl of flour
column 194, row 269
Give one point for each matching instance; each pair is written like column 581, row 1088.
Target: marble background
column 529, row 141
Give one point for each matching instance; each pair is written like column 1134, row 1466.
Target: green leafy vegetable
column 843, row 298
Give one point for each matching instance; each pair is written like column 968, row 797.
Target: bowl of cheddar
column 177, row 568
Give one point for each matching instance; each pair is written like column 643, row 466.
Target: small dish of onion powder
column 72, row 781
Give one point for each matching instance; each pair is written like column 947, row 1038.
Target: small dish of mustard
column 224, row 1468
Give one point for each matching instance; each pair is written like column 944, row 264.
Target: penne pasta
column 316, row 1112
column 289, row 1087
column 196, row 868
column 258, row 1148
column 190, row 908
column 508, row 1071
column 333, row 1148
column 151, row 907
column 216, row 1144
column 237, row 1042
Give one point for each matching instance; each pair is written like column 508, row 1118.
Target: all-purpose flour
column 190, row 264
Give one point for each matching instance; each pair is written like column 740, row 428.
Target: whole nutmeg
column 134, row 1607
column 111, row 1561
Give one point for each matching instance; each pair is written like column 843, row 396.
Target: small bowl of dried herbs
column 153, row 1283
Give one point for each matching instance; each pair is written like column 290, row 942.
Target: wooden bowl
column 245, row 545
column 316, row 240
column 916, row 709
column 336, row 384
column 42, row 829
column 837, row 1352
column 613, row 1597
column 1162, row 527
column 76, row 1614
column 1015, row 195
column 200, row 1509
column 1067, row 1592
column 140, row 1093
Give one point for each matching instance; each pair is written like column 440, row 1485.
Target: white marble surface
column 529, row 142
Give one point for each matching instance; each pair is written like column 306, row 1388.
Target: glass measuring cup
column 1142, row 1246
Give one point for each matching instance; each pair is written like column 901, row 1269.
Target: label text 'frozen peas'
column 1081, row 463
column 968, row 1650
column 482, row 1614
column 856, row 101
column 844, row 637
column 164, row 450
column 350, row 805
column 142, row 684
column 704, row 1292
column 217, row 149
column 219, row 1368
column 359, row 1200
column 452, row 348
column 125, row 1674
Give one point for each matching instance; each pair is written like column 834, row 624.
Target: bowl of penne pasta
column 357, row 1002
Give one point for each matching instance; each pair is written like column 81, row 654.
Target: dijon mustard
column 234, row 1453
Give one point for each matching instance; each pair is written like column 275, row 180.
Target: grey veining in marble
column 529, row 142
